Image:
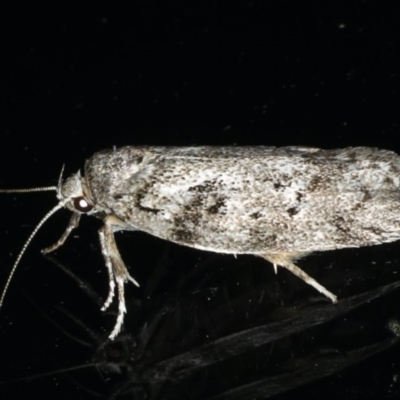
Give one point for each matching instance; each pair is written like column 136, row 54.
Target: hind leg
column 286, row 260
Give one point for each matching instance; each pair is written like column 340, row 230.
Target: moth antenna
column 38, row 189
column 61, row 204
column 59, row 185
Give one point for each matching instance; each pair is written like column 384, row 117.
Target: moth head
column 74, row 193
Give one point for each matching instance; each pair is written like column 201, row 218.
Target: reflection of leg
column 117, row 273
column 73, row 223
column 285, row 260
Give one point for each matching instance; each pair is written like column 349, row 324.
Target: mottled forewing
column 255, row 199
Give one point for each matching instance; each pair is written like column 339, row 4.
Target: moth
column 276, row 203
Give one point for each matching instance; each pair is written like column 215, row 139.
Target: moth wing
column 247, row 200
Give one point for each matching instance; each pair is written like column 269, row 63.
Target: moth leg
column 117, row 272
column 111, row 278
column 73, row 223
column 285, row 260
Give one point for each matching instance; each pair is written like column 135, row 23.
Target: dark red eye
column 81, row 204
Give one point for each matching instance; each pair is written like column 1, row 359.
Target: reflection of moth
column 277, row 203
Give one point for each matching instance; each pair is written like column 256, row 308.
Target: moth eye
column 82, row 205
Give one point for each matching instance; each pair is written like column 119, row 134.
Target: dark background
column 76, row 80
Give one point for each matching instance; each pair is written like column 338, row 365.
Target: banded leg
column 117, row 273
column 111, row 278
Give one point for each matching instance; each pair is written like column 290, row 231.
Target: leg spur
column 285, row 260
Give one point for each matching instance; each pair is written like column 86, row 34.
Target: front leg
column 73, row 223
column 117, row 272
